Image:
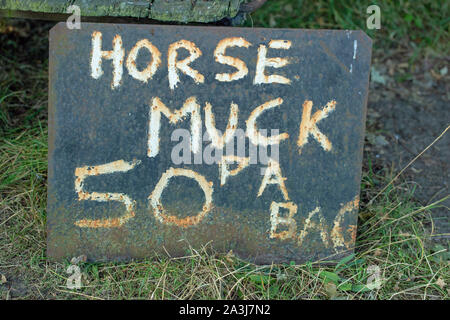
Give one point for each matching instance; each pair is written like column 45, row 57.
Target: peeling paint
column 355, row 46
column 351, row 230
column 280, row 44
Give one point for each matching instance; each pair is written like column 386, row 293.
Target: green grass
column 394, row 233
column 420, row 24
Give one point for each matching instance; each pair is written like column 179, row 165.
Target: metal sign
column 166, row 137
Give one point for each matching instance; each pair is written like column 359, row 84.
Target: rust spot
column 351, row 230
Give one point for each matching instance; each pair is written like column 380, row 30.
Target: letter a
column 273, row 170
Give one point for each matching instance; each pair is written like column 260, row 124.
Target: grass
column 419, row 24
column 394, row 233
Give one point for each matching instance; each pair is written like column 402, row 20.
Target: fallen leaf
column 381, row 141
column 435, row 75
column 441, row 283
column 288, row 8
column 331, row 290
column 396, row 287
column 76, row 260
column 2, row 279
column 272, row 21
column 416, row 170
column 281, row 276
column 376, row 284
column 329, row 276
column 377, row 77
column 378, row 252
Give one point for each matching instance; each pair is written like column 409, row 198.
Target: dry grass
column 394, row 233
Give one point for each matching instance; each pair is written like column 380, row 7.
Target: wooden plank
column 202, row 11
column 162, row 10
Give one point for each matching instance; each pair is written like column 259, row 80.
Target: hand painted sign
column 165, row 137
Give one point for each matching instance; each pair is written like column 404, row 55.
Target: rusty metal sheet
column 165, row 137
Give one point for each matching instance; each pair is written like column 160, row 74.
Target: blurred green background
column 420, row 24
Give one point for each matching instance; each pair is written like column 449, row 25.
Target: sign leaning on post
column 165, row 137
